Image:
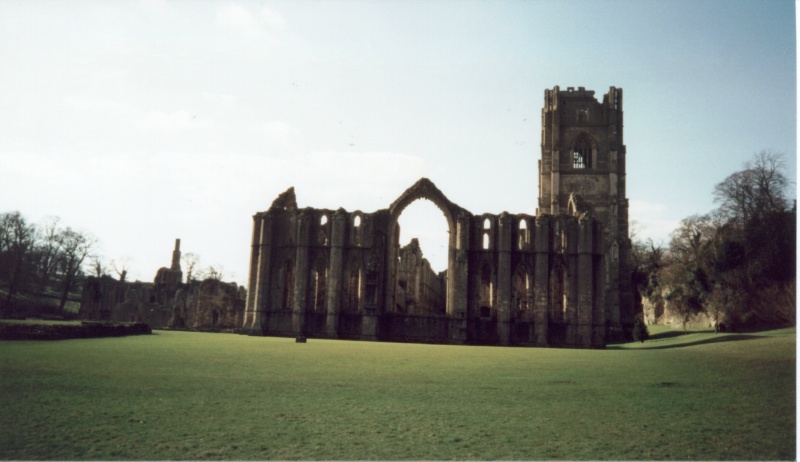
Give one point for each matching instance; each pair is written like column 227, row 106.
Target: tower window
column 582, row 153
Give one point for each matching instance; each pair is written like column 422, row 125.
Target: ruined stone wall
column 562, row 277
column 323, row 273
column 662, row 312
column 206, row 305
column 421, row 290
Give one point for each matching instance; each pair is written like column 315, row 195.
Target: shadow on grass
column 677, row 333
column 705, row 341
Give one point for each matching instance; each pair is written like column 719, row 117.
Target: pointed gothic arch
column 558, row 291
column 422, row 189
column 583, row 152
column 522, row 289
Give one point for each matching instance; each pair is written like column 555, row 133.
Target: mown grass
column 179, row 395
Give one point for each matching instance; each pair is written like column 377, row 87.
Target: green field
column 180, row 395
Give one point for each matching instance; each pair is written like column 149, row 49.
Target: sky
column 140, row 122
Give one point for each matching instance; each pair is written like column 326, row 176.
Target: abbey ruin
column 167, row 302
column 560, row 278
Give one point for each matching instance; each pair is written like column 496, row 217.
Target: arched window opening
column 323, row 230
column 521, row 289
column 354, row 289
column 523, row 234
column 427, row 223
column 357, row 230
column 424, row 229
column 558, row 237
column 558, row 296
column 320, row 280
column 485, row 241
column 487, row 224
column 486, row 291
column 582, row 153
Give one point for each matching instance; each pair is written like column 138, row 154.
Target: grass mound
column 181, row 395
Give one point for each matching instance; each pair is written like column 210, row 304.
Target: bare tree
column 76, row 247
column 98, row 267
column 688, row 242
column 215, row 272
column 751, row 193
column 121, row 268
column 190, row 261
column 49, row 247
column 17, row 239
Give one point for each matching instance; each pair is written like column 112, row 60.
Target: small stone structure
column 560, row 278
column 167, row 302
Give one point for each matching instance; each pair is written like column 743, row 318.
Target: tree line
column 39, row 258
column 737, row 263
column 48, row 258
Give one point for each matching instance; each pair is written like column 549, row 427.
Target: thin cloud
column 180, row 120
column 96, row 105
column 278, row 134
column 159, row 7
column 238, row 18
column 220, row 99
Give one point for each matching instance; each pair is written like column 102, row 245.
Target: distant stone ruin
column 167, row 302
column 560, row 278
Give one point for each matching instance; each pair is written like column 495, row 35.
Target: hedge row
column 87, row 329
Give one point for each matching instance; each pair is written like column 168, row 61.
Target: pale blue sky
column 146, row 121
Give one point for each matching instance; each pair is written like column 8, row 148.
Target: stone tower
column 176, row 256
column 582, row 172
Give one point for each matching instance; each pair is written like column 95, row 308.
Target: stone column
column 334, row 295
column 262, row 296
column 457, row 278
column 252, row 281
column 504, row 279
column 599, row 318
column 555, row 178
column 585, row 281
column 369, row 313
column 571, row 283
column 301, row 274
column 541, row 286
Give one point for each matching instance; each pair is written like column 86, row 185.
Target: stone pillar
column 555, row 178
column 504, row 279
column 599, row 338
column 262, row 296
column 369, row 315
column 301, row 274
column 571, row 283
column 252, row 281
column 585, row 281
column 334, row 295
column 457, row 279
column 541, row 287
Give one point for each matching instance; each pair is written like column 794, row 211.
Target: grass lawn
column 180, row 395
